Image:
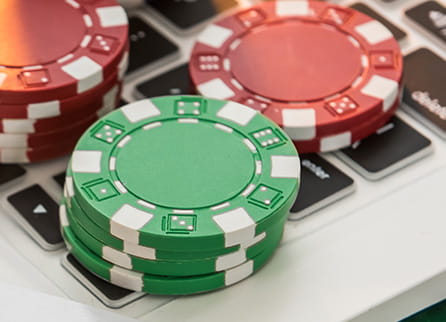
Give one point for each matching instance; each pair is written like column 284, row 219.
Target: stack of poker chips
column 328, row 75
column 60, row 70
column 178, row 194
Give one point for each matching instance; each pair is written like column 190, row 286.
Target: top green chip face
column 184, row 171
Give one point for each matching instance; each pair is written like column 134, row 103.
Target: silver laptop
column 365, row 240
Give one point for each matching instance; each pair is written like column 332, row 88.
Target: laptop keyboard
column 161, row 34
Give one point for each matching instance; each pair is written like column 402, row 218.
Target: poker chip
column 59, row 108
column 8, row 140
column 345, row 139
column 315, row 68
column 63, row 57
column 137, row 250
column 179, row 194
column 67, row 75
column 156, row 266
column 99, row 107
column 160, row 284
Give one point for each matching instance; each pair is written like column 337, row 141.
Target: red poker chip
column 44, row 153
column 58, row 49
column 313, row 67
column 98, row 108
column 53, row 109
column 345, row 139
column 73, row 130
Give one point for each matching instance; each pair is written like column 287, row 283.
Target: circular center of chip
column 185, row 165
column 296, row 61
column 37, row 33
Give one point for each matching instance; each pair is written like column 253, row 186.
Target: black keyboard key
column 10, row 172
column 425, row 95
column 147, row 45
column 322, row 184
column 41, row 215
column 431, row 16
column 174, row 82
column 398, row 33
column 392, row 147
column 111, row 295
column 187, row 13
column 60, row 179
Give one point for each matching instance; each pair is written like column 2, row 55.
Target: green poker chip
column 170, row 268
column 73, row 209
column 163, row 285
column 185, row 174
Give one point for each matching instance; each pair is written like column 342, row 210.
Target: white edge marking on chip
column 105, row 110
column 73, row 3
column 140, row 251
column 69, row 186
column 43, row 110
column 248, row 190
column 120, row 186
column 86, row 71
column 237, row 225
column 237, row 113
column 215, row 88
column 255, row 240
column 112, row 164
column 230, row 260
column 87, row 20
column 18, row 126
column 116, row 257
column 223, row 128
column 13, row 141
column 336, row 142
column 236, row 274
column 188, row 120
column 221, row 206
column 126, row 222
column 140, row 110
column 382, row 88
column 109, row 99
column 85, row 42
column 146, row 204
column 374, row 32
column 250, row 145
column 86, row 161
column 112, row 16
column 123, row 65
column 285, row 166
column 292, row 8
column 183, row 211
column 214, row 36
column 236, row 84
column 63, row 216
column 126, row 139
column 2, row 78
column 14, row 155
column 151, row 126
column 258, row 167
column 299, row 124
column 126, row 278
column 69, row 56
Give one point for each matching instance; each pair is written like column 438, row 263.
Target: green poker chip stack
column 179, row 194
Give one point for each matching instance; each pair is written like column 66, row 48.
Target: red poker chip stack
column 61, row 68
column 327, row 74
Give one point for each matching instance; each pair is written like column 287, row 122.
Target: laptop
column 364, row 241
